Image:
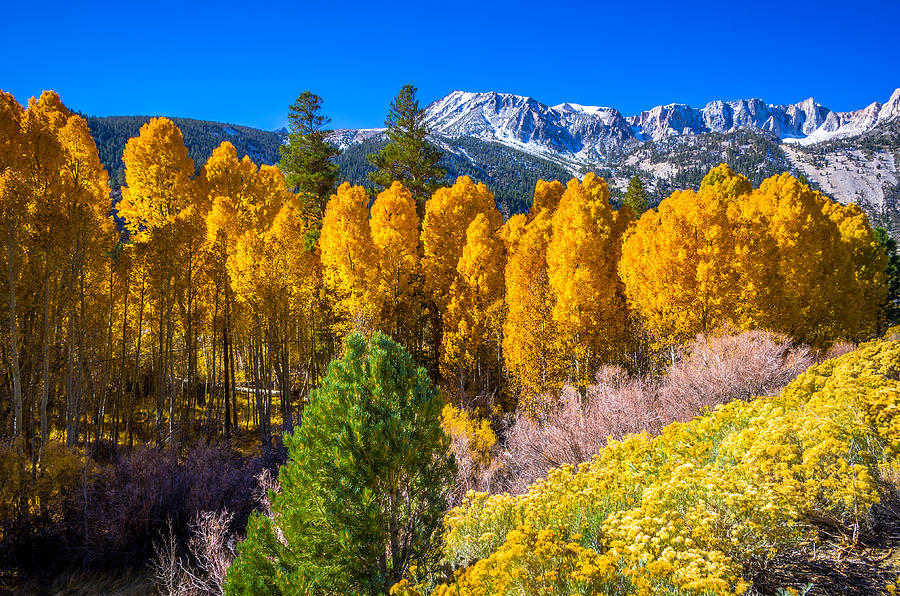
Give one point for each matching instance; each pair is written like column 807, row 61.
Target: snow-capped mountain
column 588, row 133
column 509, row 141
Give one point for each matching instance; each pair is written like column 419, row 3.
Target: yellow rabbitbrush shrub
column 705, row 505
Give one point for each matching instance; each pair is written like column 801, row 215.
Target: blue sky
column 246, row 62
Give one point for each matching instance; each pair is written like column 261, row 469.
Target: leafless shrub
column 578, row 426
column 212, row 549
column 839, row 349
column 265, row 481
column 712, row 370
column 167, row 566
column 718, row 369
column 266, row 485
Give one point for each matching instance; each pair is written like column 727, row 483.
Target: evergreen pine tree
column 365, row 487
column 307, row 160
column 408, row 157
column 636, row 197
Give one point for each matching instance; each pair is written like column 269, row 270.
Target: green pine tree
column 891, row 307
column 636, row 197
column 365, row 487
column 408, row 157
column 307, row 160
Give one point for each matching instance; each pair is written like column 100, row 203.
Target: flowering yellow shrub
column 702, row 506
column 537, row 562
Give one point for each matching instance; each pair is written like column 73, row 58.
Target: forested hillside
column 201, row 137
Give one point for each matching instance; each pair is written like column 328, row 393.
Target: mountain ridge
column 509, row 141
column 589, row 131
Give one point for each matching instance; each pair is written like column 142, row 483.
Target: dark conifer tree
column 636, row 197
column 408, row 157
column 307, row 160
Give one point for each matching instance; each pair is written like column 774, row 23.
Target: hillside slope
column 111, row 133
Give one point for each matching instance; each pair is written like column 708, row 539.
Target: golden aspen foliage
column 82, row 170
column 394, row 225
column 589, row 308
column 244, row 198
column 349, row 261
column 473, row 321
column 546, row 196
column 512, row 231
column 86, row 229
column 760, row 290
column 864, row 286
column 11, row 140
column 812, row 262
column 781, row 257
column 228, row 181
column 300, row 268
column 531, row 354
column 447, row 217
column 269, row 196
column 726, row 183
column 47, row 174
column 158, row 178
column 677, row 265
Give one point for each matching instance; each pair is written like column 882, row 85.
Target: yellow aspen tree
column 546, row 196
column 677, row 265
column 760, row 287
column 589, row 309
column 158, row 176
column 512, row 231
column 348, row 260
column 754, row 254
column 531, row 354
column 473, row 321
column 394, row 226
column 159, row 188
column 13, row 211
column 811, row 261
column 244, row 201
column 448, row 215
column 45, row 230
column 89, row 235
column 301, row 314
column 863, row 287
column 726, row 183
